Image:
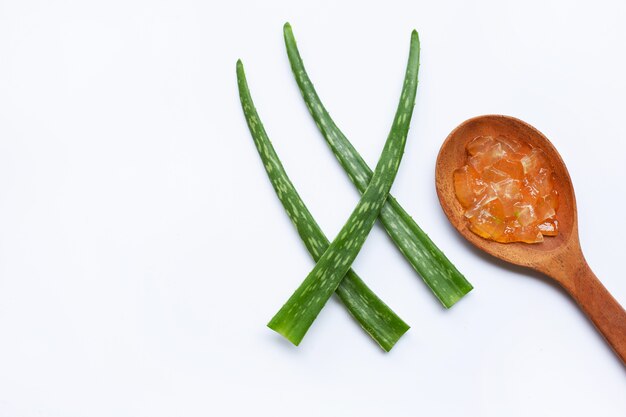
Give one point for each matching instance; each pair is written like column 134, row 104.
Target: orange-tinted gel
column 507, row 191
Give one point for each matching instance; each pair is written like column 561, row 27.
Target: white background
column 142, row 249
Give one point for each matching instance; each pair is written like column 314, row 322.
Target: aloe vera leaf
column 439, row 274
column 299, row 312
column 374, row 316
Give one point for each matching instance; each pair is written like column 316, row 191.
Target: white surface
column 142, row 249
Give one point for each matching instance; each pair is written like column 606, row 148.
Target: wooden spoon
column 559, row 257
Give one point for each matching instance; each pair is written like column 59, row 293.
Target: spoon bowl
column 453, row 155
column 560, row 257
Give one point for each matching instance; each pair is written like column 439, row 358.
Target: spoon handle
column 597, row 303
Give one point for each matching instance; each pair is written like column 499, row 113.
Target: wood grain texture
column 559, row 257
